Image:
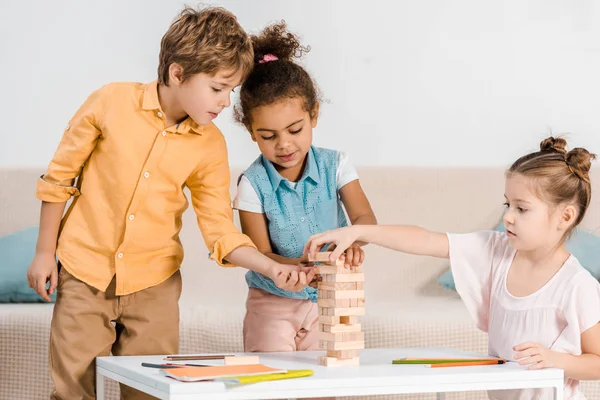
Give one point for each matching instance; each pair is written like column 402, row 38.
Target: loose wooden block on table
column 338, row 362
column 241, row 360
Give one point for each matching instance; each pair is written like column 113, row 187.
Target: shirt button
column 159, row 114
column 302, row 219
column 164, row 133
column 131, row 217
column 146, row 174
column 120, row 255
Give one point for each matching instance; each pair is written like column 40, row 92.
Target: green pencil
column 443, row 360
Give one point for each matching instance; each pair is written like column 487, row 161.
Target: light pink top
column 555, row 316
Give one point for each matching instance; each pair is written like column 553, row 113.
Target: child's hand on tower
column 342, row 238
column 355, row 256
column 291, row 277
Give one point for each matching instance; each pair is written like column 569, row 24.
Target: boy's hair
column 206, row 40
column 275, row 75
column 562, row 177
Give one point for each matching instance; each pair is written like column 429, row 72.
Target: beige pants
column 88, row 323
column 275, row 323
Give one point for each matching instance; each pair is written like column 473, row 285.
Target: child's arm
column 43, row 267
column 255, row 226
column 55, row 187
column 407, row 239
column 583, row 367
column 209, row 187
column 360, row 213
column 287, row 277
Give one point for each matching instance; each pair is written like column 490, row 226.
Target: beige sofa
column 405, row 306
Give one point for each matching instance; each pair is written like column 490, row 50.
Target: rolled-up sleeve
column 209, row 187
column 78, row 142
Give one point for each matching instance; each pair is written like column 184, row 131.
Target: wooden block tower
column 341, row 301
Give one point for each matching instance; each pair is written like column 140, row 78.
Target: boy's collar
column 150, row 103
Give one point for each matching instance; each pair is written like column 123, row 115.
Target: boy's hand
column 536, row 356
column 291, row 277
column 43, row 268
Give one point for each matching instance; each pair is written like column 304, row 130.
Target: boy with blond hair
column 134, row 148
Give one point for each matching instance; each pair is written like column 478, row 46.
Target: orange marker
column 467, row 364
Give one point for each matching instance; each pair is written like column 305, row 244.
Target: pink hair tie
column 267, row 58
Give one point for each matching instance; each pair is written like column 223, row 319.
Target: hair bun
column 554, row 144
column 579, row 161
column 277, row 41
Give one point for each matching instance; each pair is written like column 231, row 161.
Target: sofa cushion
column 17, row 251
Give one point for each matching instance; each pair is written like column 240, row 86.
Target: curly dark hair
column 271, row 81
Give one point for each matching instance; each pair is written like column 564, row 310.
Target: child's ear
column 569, row 215
column 314, row 114
column 176, row 74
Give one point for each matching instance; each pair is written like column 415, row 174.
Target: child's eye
column 295, row 132
column 521, row 209
column 216, row 90
column 506, row 205
column 268, row 137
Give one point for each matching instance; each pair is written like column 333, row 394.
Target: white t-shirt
column 555, row 316
column 247, row 199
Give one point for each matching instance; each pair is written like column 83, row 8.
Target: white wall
column 420, row 82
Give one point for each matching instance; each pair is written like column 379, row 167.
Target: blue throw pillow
column 17, row 251
column 585, row 246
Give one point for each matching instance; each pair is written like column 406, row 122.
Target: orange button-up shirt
column 132, row 169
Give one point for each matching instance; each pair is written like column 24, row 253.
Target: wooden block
column 328, row 345
column 335, row 320
column 336, row 311
column 339, row 269
column 360, row 285
column 343, row 353
column 339, row 285
column 241, row 360
column 338, row 362
column 349, row 319
column 342, row 336
column 357, row 277
column 335, row 302
column 322, row 256
column 341, row 294
column 340, row 328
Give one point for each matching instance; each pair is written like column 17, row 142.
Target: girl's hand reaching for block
column 342, row 238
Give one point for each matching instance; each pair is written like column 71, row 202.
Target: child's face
column 283, row 131
column 203, row 96
column 530, row 222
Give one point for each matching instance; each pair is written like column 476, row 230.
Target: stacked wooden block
column 341, row 301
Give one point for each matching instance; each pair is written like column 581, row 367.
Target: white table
column 375, row 376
